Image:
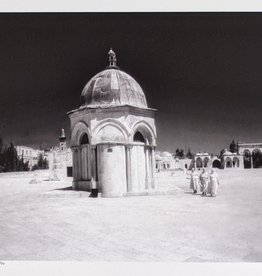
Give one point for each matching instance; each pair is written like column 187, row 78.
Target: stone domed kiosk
column 113, row 135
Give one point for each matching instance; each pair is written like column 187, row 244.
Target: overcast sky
column 202, row 71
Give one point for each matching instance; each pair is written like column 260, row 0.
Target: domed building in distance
column 113, row 135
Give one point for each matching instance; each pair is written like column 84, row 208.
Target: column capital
column 74, row 148
column 128, row 146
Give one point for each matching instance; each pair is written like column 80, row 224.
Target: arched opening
column 84, row 139
column 206, row 160
column 138, row 137
column 228, row 162
column 142, row 156
column 199, row 163
column 84, row 158
column 158, row 166
column 247, row 159
column 216, row 164
column 257, row 158
column 235, row 162
column 77, row 132
column 145, row 130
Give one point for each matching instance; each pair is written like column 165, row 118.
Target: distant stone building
column 231, row 160
column 248, row 155
column 166, row 161
column 28, row 154
column 216, row 162
column 113, row 135
column 202, row 160
column 60, row 160
column 225, row 161
column 251, row 155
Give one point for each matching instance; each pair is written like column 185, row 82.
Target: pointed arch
column 206, row 161
column 236, row 162
column 120, row 129
column 216, row 163
column 257, row 158
column 138, row 137
column 78, row 130
column 228, row 162
column 199, row 162
column 146, row 130
column 84, row 139
column 247, row 159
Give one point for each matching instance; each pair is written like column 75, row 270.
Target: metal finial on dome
column 62, row 134
column 112, row 58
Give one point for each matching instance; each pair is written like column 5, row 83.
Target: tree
column 1, row 155
column 10, row 159
column 189, row 154
column 180, row 153
column 42, row 163
column 221, row 153
column 1, row 145
column 23, row 166
column 233, row 147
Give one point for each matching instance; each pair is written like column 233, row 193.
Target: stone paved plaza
column 43, row 221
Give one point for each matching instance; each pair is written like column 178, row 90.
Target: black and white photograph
column 131, row 137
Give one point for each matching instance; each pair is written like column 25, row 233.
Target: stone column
column 241, row 162
column 74, row 164
column 147, row 168
column 84, row 162
column 251, row 159
column 75, row 168
column 153, row 167
column 128, row 168
column 150, row 165
column 94, row 167
column 89, row 162
column 78, row 164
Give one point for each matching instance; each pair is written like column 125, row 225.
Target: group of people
column 206, row 183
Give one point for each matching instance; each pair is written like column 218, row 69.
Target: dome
column 166, row 154
column 202, row 153
column 158, row 157
column 227, row 152
column 113, row 87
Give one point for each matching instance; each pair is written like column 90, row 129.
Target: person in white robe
column 204, row 178
column 194, row 181
column 214, row 183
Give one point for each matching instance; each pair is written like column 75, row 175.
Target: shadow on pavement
column 190, row 193
column 64, row 189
